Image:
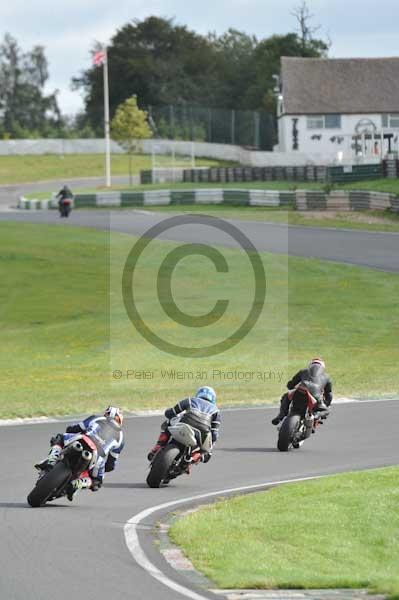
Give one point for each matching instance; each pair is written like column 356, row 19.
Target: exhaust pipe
column 87, row 455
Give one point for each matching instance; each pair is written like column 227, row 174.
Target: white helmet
column 317, row 361
column 115, row 413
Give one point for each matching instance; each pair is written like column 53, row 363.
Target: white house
column 339, row 108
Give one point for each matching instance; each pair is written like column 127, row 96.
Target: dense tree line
column 24, row 107
column 164, row 63
column 26, row 111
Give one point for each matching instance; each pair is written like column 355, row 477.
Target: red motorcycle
column 302, row 419
column 65, row 207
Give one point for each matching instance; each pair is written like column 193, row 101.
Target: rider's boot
column 77, row 484
column 284, row 406
column 161, row 442
column 52, row 458
column 321, row 412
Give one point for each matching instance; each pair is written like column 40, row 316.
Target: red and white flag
column 99, row 58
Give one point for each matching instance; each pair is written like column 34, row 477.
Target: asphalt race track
column 78, row 550
column 365, row 248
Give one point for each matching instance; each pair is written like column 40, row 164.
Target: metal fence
column 252, row 129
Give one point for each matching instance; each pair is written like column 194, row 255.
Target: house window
column 332, row 121
column 390, row 121
column 315, row 122
column 324, row 122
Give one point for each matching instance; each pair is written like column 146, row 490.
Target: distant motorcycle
column 65, row 207
column 301, row 421
column 183, row 449
column 78, row 456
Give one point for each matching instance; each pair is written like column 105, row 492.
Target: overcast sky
column 69, row 28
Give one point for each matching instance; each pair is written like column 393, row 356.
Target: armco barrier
column 337, row 200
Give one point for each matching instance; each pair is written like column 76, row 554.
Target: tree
column 128, row 126
column 163, row 63
column 306, row 32
column 25, row 110
column 266, row 59
column 236, row 67
column 167, row 64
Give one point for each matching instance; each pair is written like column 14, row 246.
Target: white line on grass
column 137, row 552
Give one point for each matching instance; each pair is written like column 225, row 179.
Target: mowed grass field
column 337, row 532
column 364, row 220
column 64, row 329
column 42, row 167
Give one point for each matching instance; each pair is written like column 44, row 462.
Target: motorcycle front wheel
column 161, row 465
column 48, row 485
column 288, row 429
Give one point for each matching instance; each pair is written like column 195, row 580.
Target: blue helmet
column 206, row 393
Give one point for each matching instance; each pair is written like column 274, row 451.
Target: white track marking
column 137, row 552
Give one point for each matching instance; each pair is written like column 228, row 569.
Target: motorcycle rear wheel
column 287, row 431
column 161, row 465
column 47, row 485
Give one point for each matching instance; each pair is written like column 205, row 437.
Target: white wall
column 310, row 154
column 327, row 147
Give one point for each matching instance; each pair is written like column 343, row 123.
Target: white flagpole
column 106, row 123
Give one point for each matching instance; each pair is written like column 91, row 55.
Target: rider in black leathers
column 64, row 194
column 319, row 384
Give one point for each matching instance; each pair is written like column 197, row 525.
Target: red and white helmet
column 115, row 413
column 317, row 361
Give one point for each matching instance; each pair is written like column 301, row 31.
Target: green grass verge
column 377, row 185
column 42, row 167
column 363, row 220
column 337, row 532
column 58, row 350
column 257, row 185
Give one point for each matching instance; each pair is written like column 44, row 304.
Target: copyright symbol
column 117, row 374
column 164, row 286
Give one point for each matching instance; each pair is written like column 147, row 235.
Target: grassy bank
column 349, row 538
column 42, row 167
column 363, row 220
column 60, row 348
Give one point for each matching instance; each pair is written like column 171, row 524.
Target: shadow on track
column 26, row 505
column 14, row 505
column 122, row 486
column 260, row 449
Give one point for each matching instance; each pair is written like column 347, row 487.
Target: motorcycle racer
column 203, row 404
column 319, row 384
column 106, row 432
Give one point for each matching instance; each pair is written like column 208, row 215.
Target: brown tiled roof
column 340, row 85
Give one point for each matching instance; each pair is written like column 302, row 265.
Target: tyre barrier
column 336, row 200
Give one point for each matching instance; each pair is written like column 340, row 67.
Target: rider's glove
column 96, row 484
column 206, row 457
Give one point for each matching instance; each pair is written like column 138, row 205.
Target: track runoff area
column 322, row 458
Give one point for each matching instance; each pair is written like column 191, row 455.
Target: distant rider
column 106, row 433
column 203, row 405
column 64, row 194
column 316, row 380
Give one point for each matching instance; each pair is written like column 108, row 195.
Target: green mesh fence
column 252, row 129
